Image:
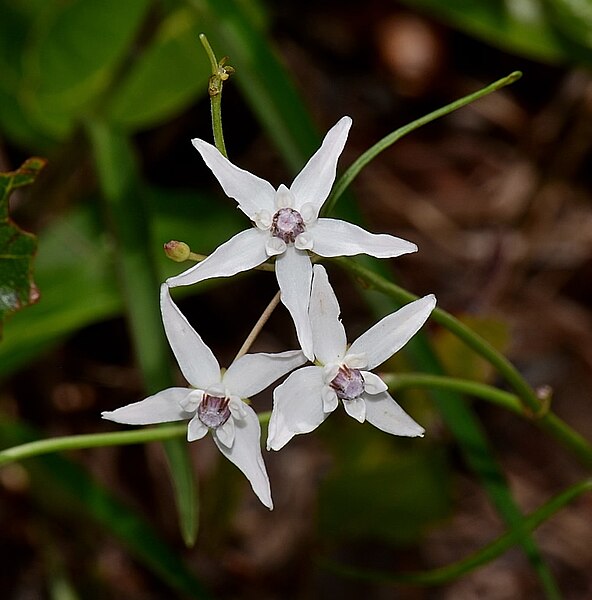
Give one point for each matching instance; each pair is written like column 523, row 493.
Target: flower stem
column 98, row 440
column 220, row 74
column 258, row 326
column 353, row 171
column 447, row 573
column 92, row 440
column 548, row 421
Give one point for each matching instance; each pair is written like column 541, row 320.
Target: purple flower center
column 213, row 411
column 348, row 383
column 287, row 224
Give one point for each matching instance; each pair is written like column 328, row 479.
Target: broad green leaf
column 66, row 492
column 74, row 49
column 574, row 19
column 171, row 73
column 17, row 247
column 519, row 26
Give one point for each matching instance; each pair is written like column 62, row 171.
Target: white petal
column 245, row 453
column 355, row 361
column 251, row 192
column 328, row 335
column 163, row 407
column 356, row 409
column 332, row 237
column 383, row 412
column 293, row 270
column 225, row 434
column 373, row 384
column 252, row 373
column 297, row 406
column 196, row 430
column 391, row 333
column 196, row 361
column 240, row 253
column 314, row 182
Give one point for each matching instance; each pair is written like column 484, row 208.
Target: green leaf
column 72, row 56
column 520, row 27
column 170, row 74
column 17, row 247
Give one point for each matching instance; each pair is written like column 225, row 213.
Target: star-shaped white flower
column 214, row 402
column 310, row 394
column 287, row 225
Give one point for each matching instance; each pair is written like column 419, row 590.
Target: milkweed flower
column 311, row 393
column 287, row 225
column 214, row 402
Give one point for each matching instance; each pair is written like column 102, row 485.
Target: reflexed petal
column 328, row 335
column 390, row 334
column 373, row 384
column 245, row 453
column 356, row 409
column 293, row 270
column 314, row 182
column 251, row 192
column 163, row 407
column 196, row 430
column 240, row 253
column 252, row 373
column 297, row 406
column 196, row 361
column 332, row 237
column 383, row 412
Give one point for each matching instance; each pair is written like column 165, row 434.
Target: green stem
column 92, row 440
column 474, row 341
column 353, row 171
column 219, row 75
column 455, row 570
column 98, row 440
column 549, row 421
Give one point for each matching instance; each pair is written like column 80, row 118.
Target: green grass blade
column 129, row 217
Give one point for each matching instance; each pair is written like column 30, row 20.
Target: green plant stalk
column 215, row 91
column 549, row 421
column 98, row 440
column 353, row 171
column 490, row 552
column 474, row 341
column 127, row 214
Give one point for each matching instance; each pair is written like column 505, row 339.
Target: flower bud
column 177, row 251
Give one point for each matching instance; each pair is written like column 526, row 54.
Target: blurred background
column 497, row 196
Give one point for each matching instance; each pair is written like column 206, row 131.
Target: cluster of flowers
column 286, row 226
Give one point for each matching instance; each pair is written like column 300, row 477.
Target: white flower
column 214, row 402
column 310, row 394
column 287, row 224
